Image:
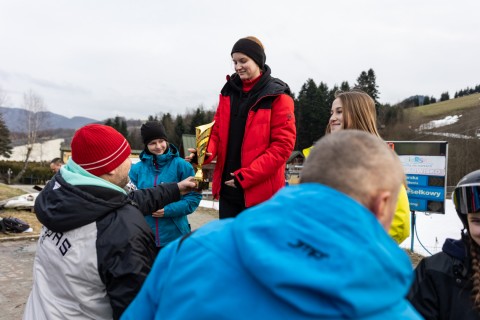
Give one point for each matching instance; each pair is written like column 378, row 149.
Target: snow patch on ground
column 209, row 204
column 44, row 151
column 450, row 135
column 440, row 123
column 433, row 229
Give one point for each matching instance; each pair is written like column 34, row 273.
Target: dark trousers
column 230, row 209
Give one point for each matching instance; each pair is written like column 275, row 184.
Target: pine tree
column 311, row 113
column 5, row 142
column 324, row 106
column 362, row 81
column 367, row 83
column 345, row 86
column 303, row 109
column 426, row 100
column 152, row 118
column 169, row 126
column 331, row 94
column 179, row 128
column 119, row 124
column 198, row 119
column 445, row 96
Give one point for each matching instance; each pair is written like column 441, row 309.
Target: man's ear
column 382, row 208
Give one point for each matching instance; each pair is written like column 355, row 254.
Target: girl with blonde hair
column 356, row 110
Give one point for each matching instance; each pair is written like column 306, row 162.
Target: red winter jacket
column 268, row 141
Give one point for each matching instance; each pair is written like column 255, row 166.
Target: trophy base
column 202, row 185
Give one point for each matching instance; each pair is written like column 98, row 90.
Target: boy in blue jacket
column 160, row 163
column 318, row 250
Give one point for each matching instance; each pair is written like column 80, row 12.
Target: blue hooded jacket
column 154, row 170
column 310, row 252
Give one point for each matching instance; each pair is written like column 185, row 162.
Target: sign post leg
column 412, row 230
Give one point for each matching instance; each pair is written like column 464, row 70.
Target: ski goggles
column 467, row 199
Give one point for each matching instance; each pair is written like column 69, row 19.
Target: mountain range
column 15, row 120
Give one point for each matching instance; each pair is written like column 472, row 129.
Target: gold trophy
column 202, row 135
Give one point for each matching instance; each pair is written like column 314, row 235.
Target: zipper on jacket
column 157, row 232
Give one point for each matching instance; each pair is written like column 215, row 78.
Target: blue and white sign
column 416, row 180
column 417, row 204
column 426, row 193
column 425, row 165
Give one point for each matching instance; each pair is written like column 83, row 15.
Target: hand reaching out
column 187, row 185
column 192, row 157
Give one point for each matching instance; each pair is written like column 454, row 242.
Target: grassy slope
column 7, row 192
column 448, row 107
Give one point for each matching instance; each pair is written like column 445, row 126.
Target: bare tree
column 34, row 118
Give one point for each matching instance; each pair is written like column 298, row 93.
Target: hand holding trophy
column 202, row 136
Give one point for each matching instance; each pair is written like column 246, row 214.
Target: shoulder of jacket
column 122, row 221
column 278, row 87
column 141, row 166
column 439, row 262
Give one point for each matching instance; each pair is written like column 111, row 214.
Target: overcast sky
column 102, row 58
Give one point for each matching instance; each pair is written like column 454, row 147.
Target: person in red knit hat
column 95, row 248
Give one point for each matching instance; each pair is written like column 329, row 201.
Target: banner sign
column 425, row 165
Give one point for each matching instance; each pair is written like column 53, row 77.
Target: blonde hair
column 358, row 111
column 256, row 40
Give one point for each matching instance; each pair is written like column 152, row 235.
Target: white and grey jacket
column 95, row 249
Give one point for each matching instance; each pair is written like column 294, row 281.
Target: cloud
column 95, row 59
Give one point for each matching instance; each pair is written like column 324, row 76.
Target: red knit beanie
column 99, row 149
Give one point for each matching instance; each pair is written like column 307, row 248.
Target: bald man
column 317, row 250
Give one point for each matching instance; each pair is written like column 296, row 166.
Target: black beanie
column 251, row 49
column 152, row 130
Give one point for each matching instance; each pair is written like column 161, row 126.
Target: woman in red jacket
column 254, row 132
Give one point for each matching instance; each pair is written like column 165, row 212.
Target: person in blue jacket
column 160, row 163
column 317, row 250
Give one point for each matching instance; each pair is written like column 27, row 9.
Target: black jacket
column 94, row 240
column 443, row 288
